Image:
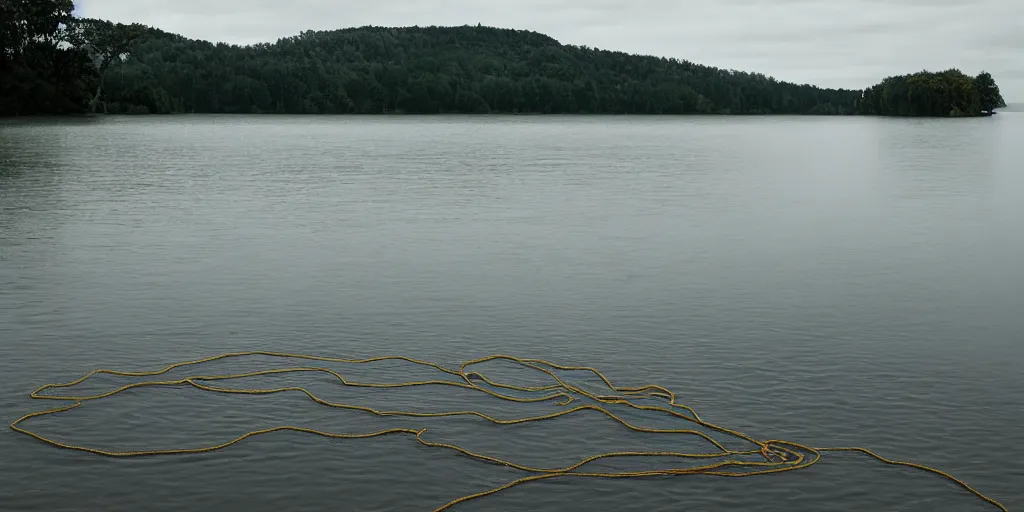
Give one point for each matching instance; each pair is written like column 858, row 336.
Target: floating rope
column 774, row 456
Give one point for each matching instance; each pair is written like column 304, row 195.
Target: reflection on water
column 926, row 153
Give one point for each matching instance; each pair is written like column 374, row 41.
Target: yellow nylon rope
column 778, row 455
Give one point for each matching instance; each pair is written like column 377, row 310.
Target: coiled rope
column 778, row 455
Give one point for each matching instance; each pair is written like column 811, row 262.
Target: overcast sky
column 832, row 43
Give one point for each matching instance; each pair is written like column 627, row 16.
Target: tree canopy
column 39, row 75
column 54, row 63
column 948, row 93
column 440, row 69
column 106, row 43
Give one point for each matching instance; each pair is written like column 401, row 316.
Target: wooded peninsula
column 52, row 62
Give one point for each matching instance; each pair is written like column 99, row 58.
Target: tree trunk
column 99, row 88
column 96, row 98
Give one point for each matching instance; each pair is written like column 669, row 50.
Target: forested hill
column 54, row 63
column 438, row 69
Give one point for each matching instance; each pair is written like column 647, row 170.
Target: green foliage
column 23, row 21
column 53, row 63
column 948, row 93
column 39, row 75
column 105, row 42
column 442, row 69
column 988, row 91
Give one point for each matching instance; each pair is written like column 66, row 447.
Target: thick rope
column 778, row 455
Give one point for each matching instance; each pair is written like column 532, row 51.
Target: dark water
column 828, row 281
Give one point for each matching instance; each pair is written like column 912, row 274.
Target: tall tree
column 986, row 86
column 39, row 74
column 106, row 43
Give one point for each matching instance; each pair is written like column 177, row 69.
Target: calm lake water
column 830, row 281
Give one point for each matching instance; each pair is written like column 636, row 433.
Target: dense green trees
column 988, row 91
column 53, row 63
column 39, row 75
column 106, row 43
column 948, row 93
column 432, row 70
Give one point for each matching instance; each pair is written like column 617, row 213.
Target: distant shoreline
column 84, row 116
column 134, row 69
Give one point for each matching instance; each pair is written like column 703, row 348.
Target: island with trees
column 54, row 63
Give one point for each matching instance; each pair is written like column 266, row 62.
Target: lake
column 829, row 281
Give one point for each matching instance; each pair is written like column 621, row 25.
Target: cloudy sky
column 833, row 43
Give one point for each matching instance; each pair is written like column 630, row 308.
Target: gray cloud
column 834, row 43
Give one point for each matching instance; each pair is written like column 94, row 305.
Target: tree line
column 949, row 93
column 54, row 63
column 439, row 70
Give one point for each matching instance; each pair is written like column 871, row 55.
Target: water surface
column 831, row 281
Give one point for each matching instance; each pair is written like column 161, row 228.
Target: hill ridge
column 437, row 69
column 54, row 62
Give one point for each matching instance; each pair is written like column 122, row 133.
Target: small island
column 54, row 63
column 946, row 94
